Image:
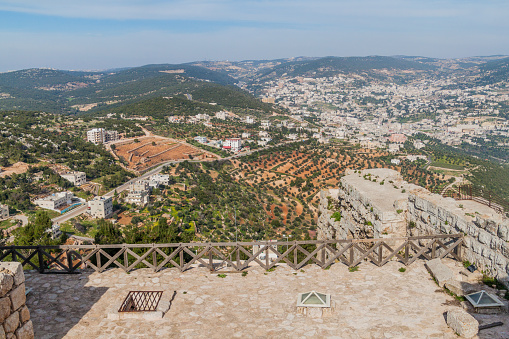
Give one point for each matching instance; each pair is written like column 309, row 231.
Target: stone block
column 439, row 271
column 11, row 323
column 484, row 238
column 2, row 332
column 5, row 308
column 16, row 269
column 460, row 288
column 24, row 314
column 18, row 297
column 6, row 282
column 462, row 323
column 503, row 232
column 26, row 331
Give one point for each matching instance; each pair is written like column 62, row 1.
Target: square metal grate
column 141, row 301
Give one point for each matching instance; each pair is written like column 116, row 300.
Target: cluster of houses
column 231, row 144
column 139, row 191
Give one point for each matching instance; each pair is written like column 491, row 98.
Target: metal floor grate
column 141, row 301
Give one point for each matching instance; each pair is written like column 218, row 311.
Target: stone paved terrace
column 374, row 302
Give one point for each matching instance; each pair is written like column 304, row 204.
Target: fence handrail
column 69, row 258
column 478, row 194
column 240, row 243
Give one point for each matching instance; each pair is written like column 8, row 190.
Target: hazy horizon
column 99, row 35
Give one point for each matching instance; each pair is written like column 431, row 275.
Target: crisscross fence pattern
column 233, row 256
column 478, row 194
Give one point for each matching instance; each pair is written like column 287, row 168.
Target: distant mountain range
column 214, row 82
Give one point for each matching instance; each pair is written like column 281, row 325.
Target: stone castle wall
column 378, row 203
column 14, row 315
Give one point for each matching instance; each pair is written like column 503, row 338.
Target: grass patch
column 221, row 275
column 447, row 165
column 402, row 269
column 244, row 273
column 353, row 269
column 272, row 269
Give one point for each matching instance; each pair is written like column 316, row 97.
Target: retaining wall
column 14, row 315
column 384, row 205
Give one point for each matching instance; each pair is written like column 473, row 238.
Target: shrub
column 402, row 269
column 336, row 216
column 221, row 275
column 353, row 269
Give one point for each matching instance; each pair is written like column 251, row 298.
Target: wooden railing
column 479, row 194
column 233, row 256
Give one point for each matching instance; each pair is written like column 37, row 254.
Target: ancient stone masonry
column 14, row 315
column 379, row 203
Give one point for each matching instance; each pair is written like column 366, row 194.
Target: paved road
column 82, row 209
column 69, row 215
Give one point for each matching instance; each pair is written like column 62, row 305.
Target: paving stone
column 372, row 302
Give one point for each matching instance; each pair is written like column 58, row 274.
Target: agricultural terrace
column 299, row 171
column 272, row 194
column 147, row 152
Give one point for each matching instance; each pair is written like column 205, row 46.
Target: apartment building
column 233, row 144
column 76, row 178
column 100, row 136
column 139, row 192
column 162, row 179
column 138, row 186
column 100, row 207
column 140, row 198
column 55, row 201
column 4, row 212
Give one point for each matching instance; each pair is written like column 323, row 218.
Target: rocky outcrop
column 378, row 203
column 14, row 315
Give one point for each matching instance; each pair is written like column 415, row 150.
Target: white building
column 221, row 115
column 100, row 207
column 249, row 120
column 233, row 144
column 395, row 161
column 4, row 212
column 76, row 178
column 55, row 231
column 200, row 139
column 100, row 136
column 55, row 201
column 265, row 124
column 139, row 186
column 162, row 179
column 139, row 198
column 246, row 135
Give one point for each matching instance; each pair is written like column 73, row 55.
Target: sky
column 101, row 34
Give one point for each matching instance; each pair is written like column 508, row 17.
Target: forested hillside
column 75, row 92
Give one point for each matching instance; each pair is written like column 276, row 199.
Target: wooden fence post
column 41, row 259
